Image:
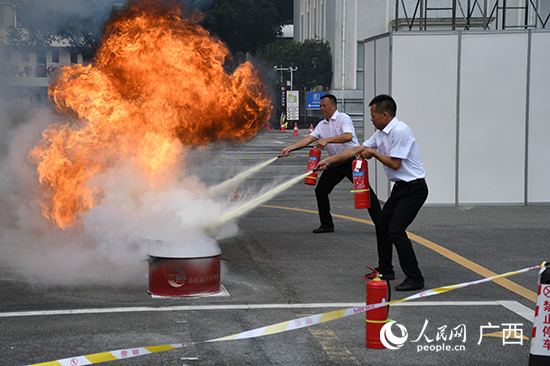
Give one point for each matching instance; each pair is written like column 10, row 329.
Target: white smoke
column 131, row 221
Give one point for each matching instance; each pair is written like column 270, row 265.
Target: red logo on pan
column 176, row 277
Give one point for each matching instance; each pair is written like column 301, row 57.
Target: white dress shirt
column 338, row 124
column 397, row 141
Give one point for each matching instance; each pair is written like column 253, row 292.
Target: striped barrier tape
column 286, row 326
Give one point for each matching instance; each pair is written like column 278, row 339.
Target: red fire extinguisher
column 314, row 156
column 377, row 291
column 361, row 190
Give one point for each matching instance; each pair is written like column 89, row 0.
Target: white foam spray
column 251, row 204
column 131, row 221
column 239, row 178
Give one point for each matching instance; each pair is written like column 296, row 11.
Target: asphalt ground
column 275, row 270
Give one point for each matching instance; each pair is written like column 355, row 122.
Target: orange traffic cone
column 310, row 128
column 269, row 127
column 296, row 129
column 540, row 345
column 282, row 128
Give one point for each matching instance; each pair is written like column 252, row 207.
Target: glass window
column 6, row 53
column 55, row 55
column 360, row 81
column 41, row 57
column 6, row 16
column 41, row 63
column 74, row 57
column 25, row 57
column 360, row 55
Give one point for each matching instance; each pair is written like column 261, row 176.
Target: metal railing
column 8, row 69
column 422, row 15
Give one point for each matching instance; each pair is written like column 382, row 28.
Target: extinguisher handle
column 298, row 148
column 303, row 147
column 331, row 165
column 371, row 275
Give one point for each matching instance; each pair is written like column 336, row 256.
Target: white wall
column 424, row 87
column 377, row 81
column 477, row 103
column 492, row 118
column 539, row 126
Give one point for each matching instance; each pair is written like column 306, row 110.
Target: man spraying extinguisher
column 336, row 134
column 394, row 145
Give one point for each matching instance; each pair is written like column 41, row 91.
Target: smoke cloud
column 132, row 220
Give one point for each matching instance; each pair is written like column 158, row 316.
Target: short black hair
column 331, row 97
column 384, row 103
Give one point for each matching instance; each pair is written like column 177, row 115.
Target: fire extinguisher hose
column 389, row 293
column 298, row 148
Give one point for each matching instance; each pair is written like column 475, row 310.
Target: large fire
column 158, row 83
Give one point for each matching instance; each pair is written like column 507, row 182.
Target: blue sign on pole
column 313, row 100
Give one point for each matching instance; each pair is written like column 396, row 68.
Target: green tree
column 43, row 22
column 312, row 58
column 244, row 25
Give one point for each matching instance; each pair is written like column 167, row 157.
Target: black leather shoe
column 410, row 285
column 389, row 276
column 323, row 229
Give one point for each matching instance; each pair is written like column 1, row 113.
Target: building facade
column 346, row 24
column 28, row 71
column 469, row 77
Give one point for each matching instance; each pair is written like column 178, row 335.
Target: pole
column 291, row 69
column 305, row 104
column 540, row 353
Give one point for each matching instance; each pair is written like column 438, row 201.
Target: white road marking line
column 513, row 306
column 519, row 309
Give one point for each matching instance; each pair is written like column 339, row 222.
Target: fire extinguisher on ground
column 314, row 156
column 377, row 292
column 361, row 189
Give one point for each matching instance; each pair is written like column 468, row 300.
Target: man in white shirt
column 394, row 145
column 337, row 134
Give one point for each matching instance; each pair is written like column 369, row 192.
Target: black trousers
column 326, row 183
column 398, row 213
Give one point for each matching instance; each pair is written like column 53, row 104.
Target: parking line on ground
column 472, row 266
column 513, row 306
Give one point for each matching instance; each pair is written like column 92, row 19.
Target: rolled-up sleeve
column 401, row 144
column 371, row 142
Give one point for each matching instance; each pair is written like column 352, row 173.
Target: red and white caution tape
column 286, row 326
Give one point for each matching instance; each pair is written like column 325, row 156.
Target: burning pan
column 184, row 276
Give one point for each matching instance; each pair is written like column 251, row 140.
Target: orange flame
column 158, row 83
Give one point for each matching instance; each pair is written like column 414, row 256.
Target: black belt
column 402, row 183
